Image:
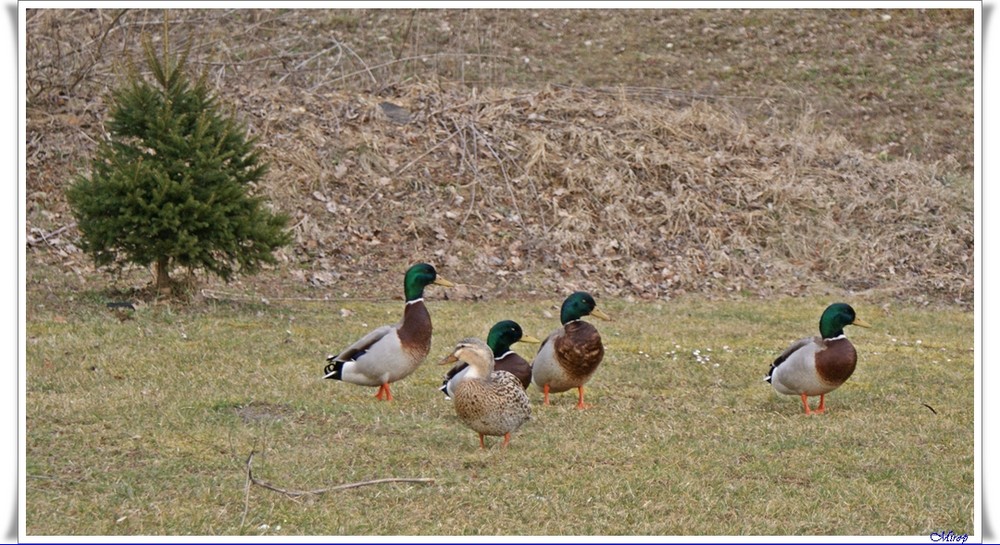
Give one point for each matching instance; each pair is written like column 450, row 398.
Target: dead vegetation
column 386, row 152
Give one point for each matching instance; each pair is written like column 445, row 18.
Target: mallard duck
column 490, row 402
column 815, row 366
column 570, row 355
column 391, row 352
column 502, row 335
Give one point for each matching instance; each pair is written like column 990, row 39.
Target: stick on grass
column 318, row 491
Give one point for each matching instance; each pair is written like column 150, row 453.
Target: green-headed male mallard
column 503, row 334
column 570, row 355
column 815, row 366
column 391, row 352
column 490, row 402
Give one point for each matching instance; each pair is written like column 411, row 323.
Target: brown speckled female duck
column 490, row 402
column 815, row 366
column 570, row 355
column 391, row 352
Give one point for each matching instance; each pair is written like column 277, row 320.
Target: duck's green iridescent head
column 419, row 277
column 505, row 333
column 578, row 305
column 835, row 317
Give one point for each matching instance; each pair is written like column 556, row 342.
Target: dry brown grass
column 615, row 186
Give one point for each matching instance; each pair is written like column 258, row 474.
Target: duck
column 815, row 366
column 392, row 352
column 503, row 334
column 489, row 402
column 569, row 356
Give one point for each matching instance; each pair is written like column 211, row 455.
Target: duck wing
column 363, row 344
column 452, row 379
column 547, row 341
column 795, row 347
column 455, row 370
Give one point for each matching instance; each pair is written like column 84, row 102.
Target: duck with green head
column 502, row 335
column 815, row 366
column 488, row 401
column 570, row 355
column 391, row 352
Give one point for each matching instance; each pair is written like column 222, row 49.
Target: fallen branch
column 428, row 152
column 299, row 493
column 46, row 236
column 219, row 295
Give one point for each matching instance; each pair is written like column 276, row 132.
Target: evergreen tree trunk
column 163, row 275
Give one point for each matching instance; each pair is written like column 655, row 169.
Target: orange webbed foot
column 384, row 393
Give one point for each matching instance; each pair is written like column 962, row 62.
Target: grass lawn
column 144, row 426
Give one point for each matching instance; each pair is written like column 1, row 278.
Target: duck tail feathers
column 444, row 389
column 333, row 369
column 770, row 371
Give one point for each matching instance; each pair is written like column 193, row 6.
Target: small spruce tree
column 170, row 187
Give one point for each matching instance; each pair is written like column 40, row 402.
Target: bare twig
column 369, row 69
column 363, row 63
column 248, row 62
column 503, row 170
column 428, row 152
column 299, row 493
column 406, row 34
column 226, row 296
column 336, row 45
column 246, row 493
column 46, row 236
column 475, row 173
column 476, row 103
column 651, row 91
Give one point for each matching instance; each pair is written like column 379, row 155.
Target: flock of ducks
column 488, row 380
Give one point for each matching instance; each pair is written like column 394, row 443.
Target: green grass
column 143, row 426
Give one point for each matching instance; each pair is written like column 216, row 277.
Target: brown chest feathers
column 836, row 363
column 579, row 350
column 515, row 365
column 415, row 331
